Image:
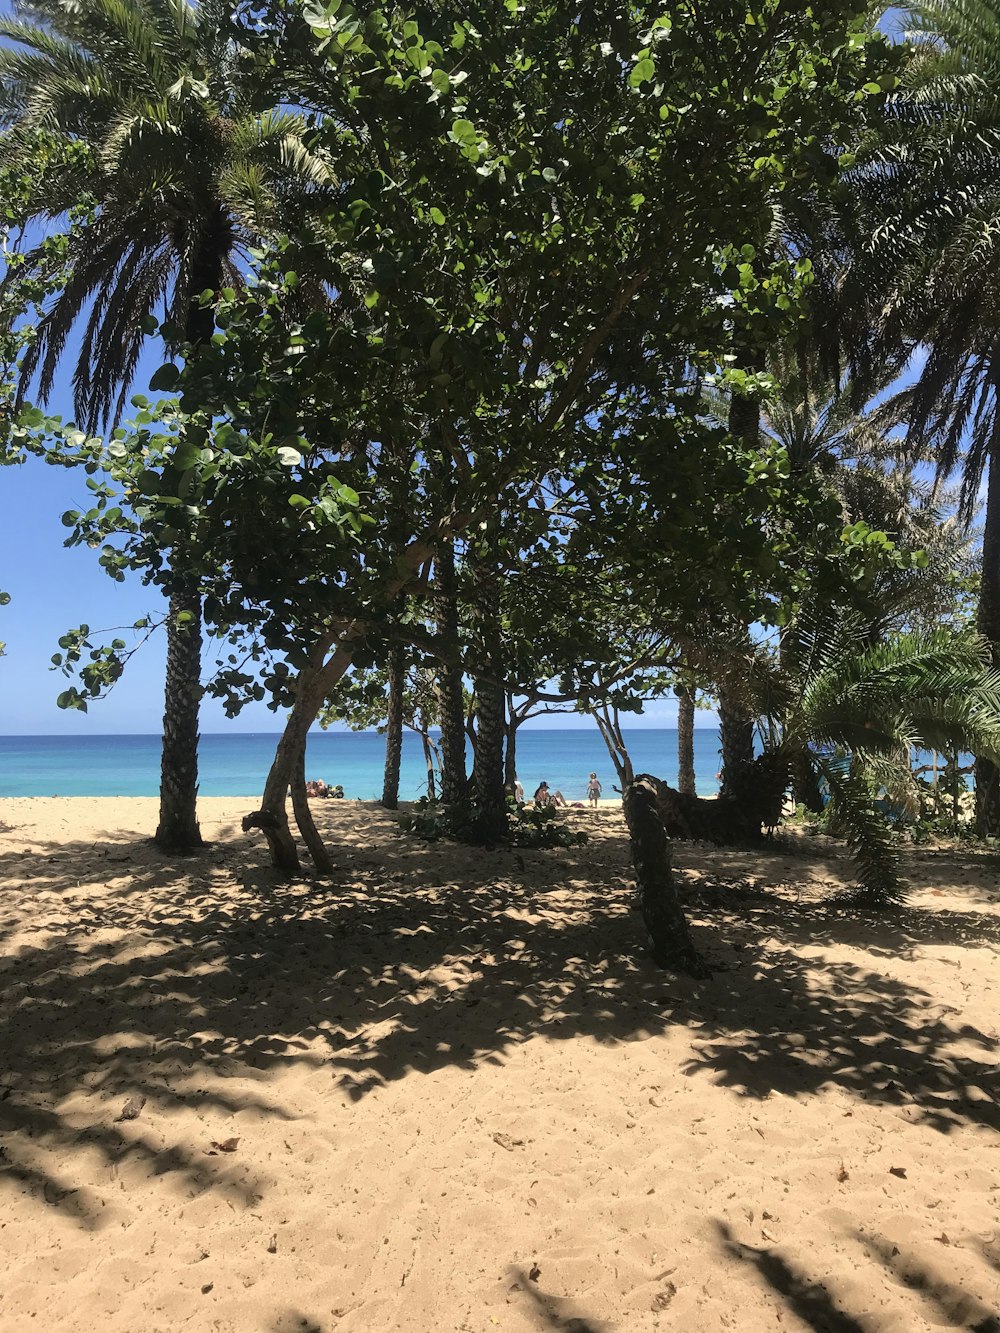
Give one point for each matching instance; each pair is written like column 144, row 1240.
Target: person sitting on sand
column 317, row 787
column 545, row 797
column 593, row 790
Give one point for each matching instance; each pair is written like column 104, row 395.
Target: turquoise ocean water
column 236, row 765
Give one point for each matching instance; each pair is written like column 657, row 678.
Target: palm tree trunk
column 394, row 729
column 735, row 738
column 987, row 773
column 805, row 783
column 178, row 829
column 451, row 702
column 685, row 741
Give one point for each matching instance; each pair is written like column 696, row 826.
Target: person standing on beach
column 594, row 790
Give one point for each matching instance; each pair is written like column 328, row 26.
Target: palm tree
column 858, row 457
column 188, row 163
column 855, row 711
column 929, row 257
column 851, row 711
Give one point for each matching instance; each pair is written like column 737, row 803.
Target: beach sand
column 449, row 1091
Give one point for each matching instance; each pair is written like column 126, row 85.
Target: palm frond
column 866, row 832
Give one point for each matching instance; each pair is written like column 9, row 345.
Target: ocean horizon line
column 237, row 763
column 332, row 731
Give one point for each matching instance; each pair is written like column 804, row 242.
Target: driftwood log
column 753, row 805
column 658, row 901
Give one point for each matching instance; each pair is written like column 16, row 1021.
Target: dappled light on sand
column 449, row 1090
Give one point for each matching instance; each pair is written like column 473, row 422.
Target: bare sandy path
column 463, row 1099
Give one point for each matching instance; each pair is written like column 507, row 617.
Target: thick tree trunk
column 303, row 818
column 452, row 705
column 735, row 738
column 394, row 729
column 178, row 829
column 987, row 773
column 661, row 910
column 685, row 741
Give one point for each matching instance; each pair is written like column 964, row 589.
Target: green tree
column 188, row 159
column 511, row 255
column 856, row 711
column 926, row 272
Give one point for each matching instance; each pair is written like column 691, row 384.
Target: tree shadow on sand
column 174, row 978
column 924, row 1291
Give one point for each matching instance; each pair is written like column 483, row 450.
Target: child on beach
column 593, row 790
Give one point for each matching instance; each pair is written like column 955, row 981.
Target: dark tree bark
column 735, row 738
column 303, row 818
column 452, row 705
column 510, row 752
column 685, row 741
column 394, row 728
column 805, row 783
column 488, row 769
column 429, row 762
column 661, row 909
column 727, row 820
column 178, row 829
column 735, row 723
column 987, row 773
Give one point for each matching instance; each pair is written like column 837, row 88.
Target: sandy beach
column 448, row 1091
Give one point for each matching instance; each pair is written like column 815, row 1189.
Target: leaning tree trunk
column 685, row 741
column 314, row 685
column 987, row 772
column 661, row 909
column 609, row 725
column 450, row 697
column 394, row 729
column 178, row 829
column 488, row 769
column 303, row 818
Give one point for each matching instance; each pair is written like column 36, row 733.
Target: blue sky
column 54, row 589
